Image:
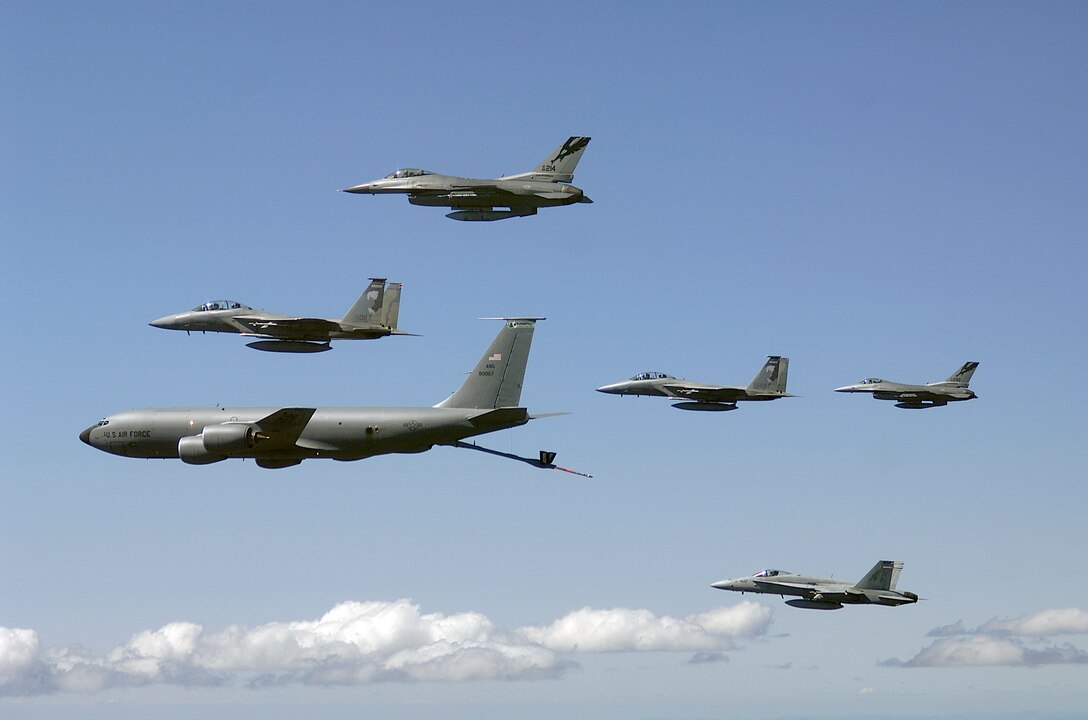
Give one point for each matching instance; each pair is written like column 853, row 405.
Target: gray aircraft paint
column 279, row 437
column 768, row 384
column 476, row 200
column 813, row 593
column 374, row 315
column 920, row 397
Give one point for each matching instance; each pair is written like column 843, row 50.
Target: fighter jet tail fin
column 559, row 165
column 962, row 376
column 497, row 378
column 390, row 310
column 883, row 576
column 772, row 376
column 366, row 309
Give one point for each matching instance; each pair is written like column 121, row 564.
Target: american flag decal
column 495, row 358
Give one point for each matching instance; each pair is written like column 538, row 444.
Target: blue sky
column 868, row 189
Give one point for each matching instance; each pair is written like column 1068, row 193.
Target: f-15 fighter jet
column 278, row 437
column 919, row 397
column 768, row 384
column 374, row 315
column 476, row 200
column 876, row 588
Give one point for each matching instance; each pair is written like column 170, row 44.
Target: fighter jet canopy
column 871, row 381
column 769, row 573
column 221, row 305
column 653, row 376
column 407, row 173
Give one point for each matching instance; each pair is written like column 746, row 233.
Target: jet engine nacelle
column 229, row 437
column 191, row 450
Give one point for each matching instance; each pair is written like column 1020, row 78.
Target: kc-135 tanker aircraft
column 374, row 315
column 876, row 588
column 278, row 437
column 768, row 384
column 919, row 397
column 476, row 199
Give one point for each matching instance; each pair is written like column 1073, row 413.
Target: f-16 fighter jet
column 374, row 315
column 768, row 384
column 919, row 397
column 278, row 437
column 477, row 200
column 876, row 588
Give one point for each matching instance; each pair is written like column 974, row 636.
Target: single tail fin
column 772, row 377
column 496, row 380
column 559, row 165
column 883, row 576
column 390, row 311
column 366, row 309
column 963, row 375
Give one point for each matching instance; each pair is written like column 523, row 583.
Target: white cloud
column 987, row 650
column 1062, row 621
column 624, row 630
column 1002, row 642
column 19, row 664
column 362, row 642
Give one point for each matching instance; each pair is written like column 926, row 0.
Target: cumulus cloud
column 1063, row 621
column 624, row 630
column 983, row 651
column 1008, row 642
column 362, row 642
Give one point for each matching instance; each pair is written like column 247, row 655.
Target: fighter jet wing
column 284, row 426
column 704, row 394
column 482, row 192
column 500, row 196
column 772, row 585
column 279, row 327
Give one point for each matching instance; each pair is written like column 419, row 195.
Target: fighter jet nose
column 608, row 389
column 85, row 436
column 357, row 189
column 848, row 388
column 721, row 585
column 166, row 323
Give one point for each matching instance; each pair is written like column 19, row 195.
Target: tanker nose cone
column 85, row 436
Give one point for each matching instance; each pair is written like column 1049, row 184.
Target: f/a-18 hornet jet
column 768, row 384
column 476, row 199
column 876, row 588
column 374, row 315
column 919, row 397
column 278, row 437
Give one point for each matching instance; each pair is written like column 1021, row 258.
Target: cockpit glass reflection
column 653, row 376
